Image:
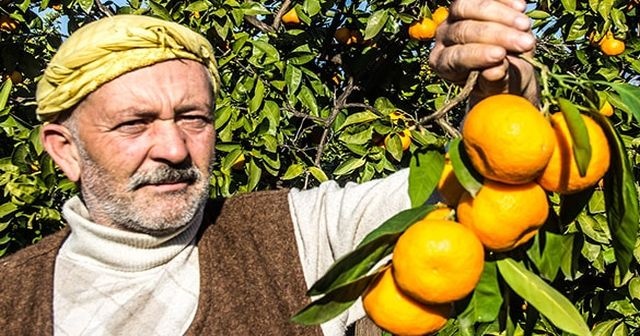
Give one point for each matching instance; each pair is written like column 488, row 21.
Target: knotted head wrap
column 105, row 49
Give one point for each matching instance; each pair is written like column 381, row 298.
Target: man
column 127, row 107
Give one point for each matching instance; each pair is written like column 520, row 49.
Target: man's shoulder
column 45, row 249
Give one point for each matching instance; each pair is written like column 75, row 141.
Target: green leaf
column 549, row 302
column 293, row 171
column 546, row 253
column 7, row 209
column 349, row 166
column 621, row 198
column 333, row 303
column 376, row 22
column 308, row 99
column 571, row 205
column 198, row 6
column 359, row 118
column 393, row 145
column 86, row 5
column 293, row 77
column 462, row 168
column 425, row 169
column 5, row 90
column 606, row 328
column 258, row 95
column 157, row 9
column 318, row 174
column 486, row 299
column 569, row 5
column 375, row 246
column 630, row 96
column 579, row 134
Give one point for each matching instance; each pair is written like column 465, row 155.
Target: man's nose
column 169, row 143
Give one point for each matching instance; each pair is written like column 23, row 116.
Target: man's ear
column 58, row 142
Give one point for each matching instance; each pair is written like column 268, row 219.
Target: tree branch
column 278, row 19
column 464, row 94
column 263, row 27
column 106, row 11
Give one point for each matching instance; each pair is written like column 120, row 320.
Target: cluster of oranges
column 425, row 28
column 439, row 260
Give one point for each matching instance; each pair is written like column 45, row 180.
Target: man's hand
column 487, row 35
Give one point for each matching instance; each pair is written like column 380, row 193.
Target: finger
column 503, row 12
column 466, row 32
column 496, row 73
column 454, row 62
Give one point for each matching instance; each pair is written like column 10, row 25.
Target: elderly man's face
column 146, row 144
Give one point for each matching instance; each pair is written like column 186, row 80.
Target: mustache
column 164, row 174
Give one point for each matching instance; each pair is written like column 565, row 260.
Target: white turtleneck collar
column 120, row 250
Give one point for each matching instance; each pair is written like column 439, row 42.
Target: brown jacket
column 251, row 279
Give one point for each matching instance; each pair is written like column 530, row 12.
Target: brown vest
column 250, row 276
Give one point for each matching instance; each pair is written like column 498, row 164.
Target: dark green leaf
column 157, row 9
column 630, row 96
column 571, row 205
column 579, row 134
column 546, row 253
column 358, row 118
column 376, row 245
column 621, row 198
column 486, row 300
column 333, row 303
column 548, row 301
column 462, row 168
column 425, row 169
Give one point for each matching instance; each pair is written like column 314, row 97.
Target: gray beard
column 118, row 208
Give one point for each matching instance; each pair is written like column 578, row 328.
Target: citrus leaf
column 486, row 299
column 376, row 245
column 86, row 5
column 569, row 5
column 571, row 205
column 358, row 118
column 318, row 174
column 333, row 303
column 546, row 253
column 579, row 134
column 258, row 95
column 293, row 171
column 293, row 77
column 425, row 169
column 549, row 302
column 621, row 198
column 606, row 328
column 466, row 175
column 4, row 93
column 394, row 146
column 630, row 96
column 308, row 100
column 349, row 166
column 376, row 22
column 157, row 9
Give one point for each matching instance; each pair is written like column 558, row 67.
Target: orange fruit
column 449, row 187
column 507, row 139
column 561, row 174
column 7, row 23
column 440, row 15
column 422, row 30
column 437, row 261
column 291, row 17
column 606, row 109
column 397, row 313
column 443, row 212
column 504, row 216
column 347, row 36
column 405, row 138
column 611, row 46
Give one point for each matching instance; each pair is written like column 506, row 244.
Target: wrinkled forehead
column 108, row 48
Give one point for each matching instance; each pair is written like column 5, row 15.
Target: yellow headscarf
column 105, row 49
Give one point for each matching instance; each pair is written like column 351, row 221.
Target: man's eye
column 132, row 125
column 195, row 120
